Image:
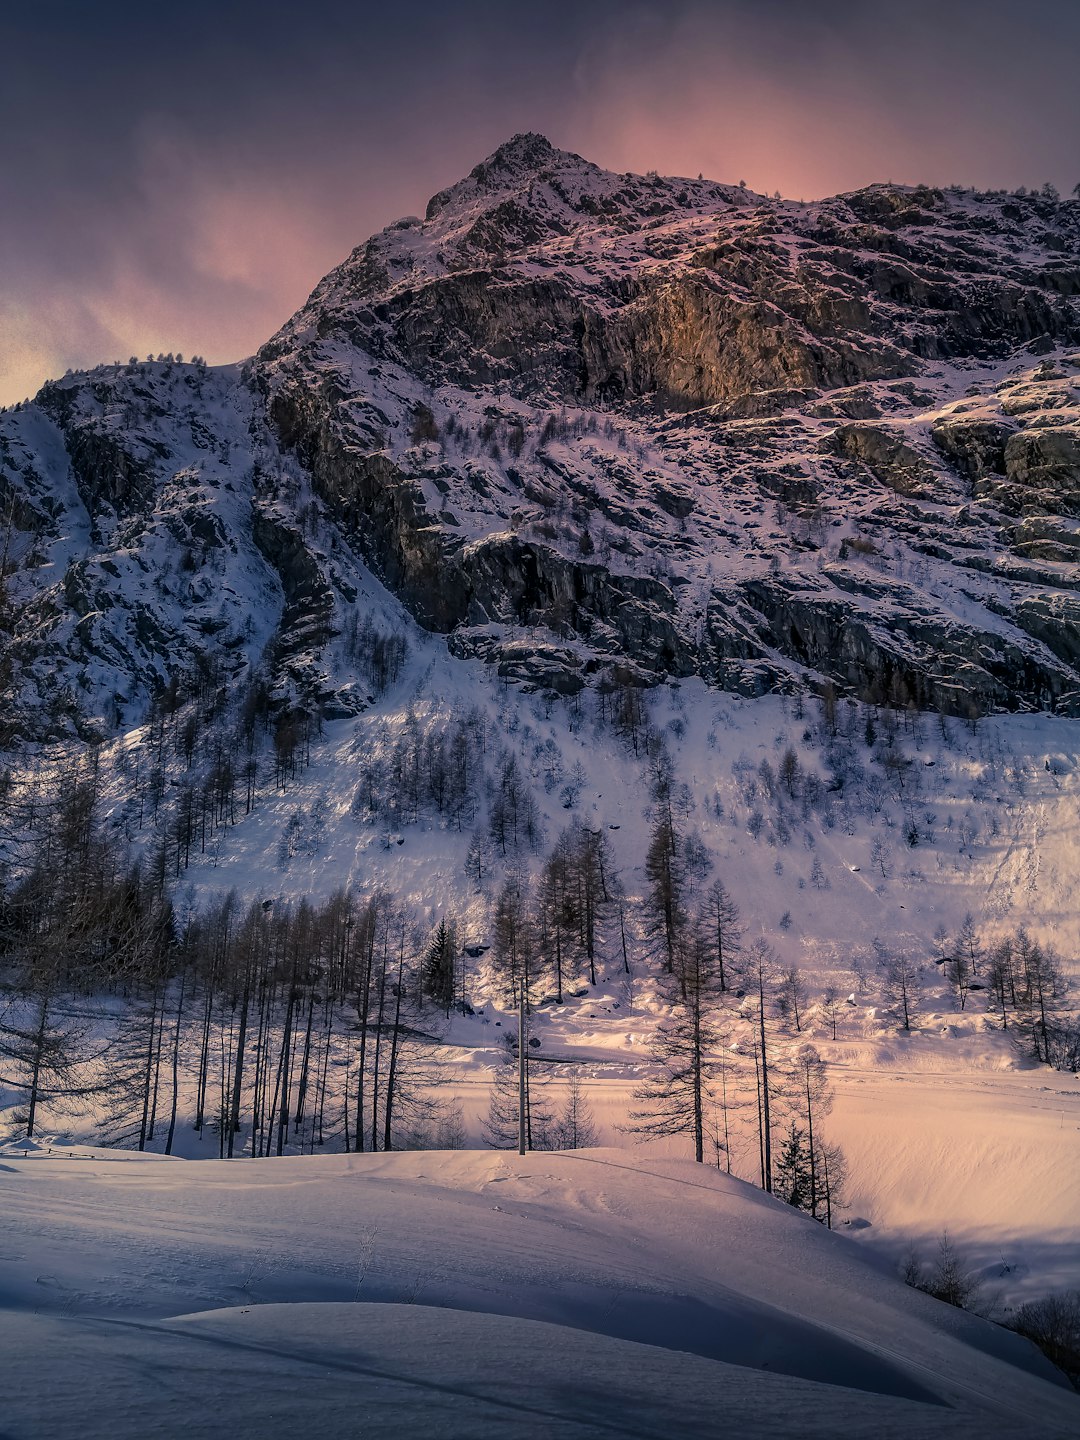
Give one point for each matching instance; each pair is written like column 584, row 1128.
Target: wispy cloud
column 181, row 180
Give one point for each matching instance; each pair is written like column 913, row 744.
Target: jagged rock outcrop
column 1046, row 461
column 975, row 445
column 894, row 462
column 111, row 465
column 540, row 282
column 143, row 569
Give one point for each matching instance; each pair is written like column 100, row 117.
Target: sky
column 179, row 177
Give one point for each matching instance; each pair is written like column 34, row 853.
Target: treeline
column 277, row 1027
column 204, row 759
column 1025, row 987
column 427, row 770
column 271, row 1026
column 301, row 1023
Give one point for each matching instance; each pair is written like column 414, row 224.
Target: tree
column 500, row 1124
column 589, row 865
column 556, row 910
column 620, row 905
column 727, row 1101
column 791, row 995
column 793, row 1169
column 175, row 1068
column 1053, row 1323
column 813, row 1099
column 629, row 714
column 439, row 970
column 1041, row 986
column 831, row 1170
column 761, row 979
column 513, row 818
column 958, row 973
column 664, row 902
column 721, row 915
column 477, row 863
column 829, row 706
column 134, row 1055
column 832, row 1003
column 696, row 862
column 514, row 934
column 1001, row 978
column 573, row 1127
column 790, row 773
column 901, row 988
column 967, row 943
column 949, row 1280
column 47, row 1056
column 675, row 1100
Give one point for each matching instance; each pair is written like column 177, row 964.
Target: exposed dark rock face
column 975, row 446
column 546, row 282
column 892, row 461
column 1047, row 462
column 142, row 568
column 379, row 503
column 105, row 465
column 309, row 602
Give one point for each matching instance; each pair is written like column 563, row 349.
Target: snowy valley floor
column 469, row 1294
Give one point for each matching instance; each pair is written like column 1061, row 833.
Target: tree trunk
column 522, row 1062
column 238, row 1067
column 35, row 1073
column 391, row 1073
column 766, row 1125
column 175, row 1065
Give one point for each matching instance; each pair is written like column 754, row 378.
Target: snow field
column 463, row 1292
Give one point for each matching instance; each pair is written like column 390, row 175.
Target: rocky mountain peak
column 527, row 150
column 515, row 166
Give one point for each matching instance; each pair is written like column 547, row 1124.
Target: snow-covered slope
column 471, row 1294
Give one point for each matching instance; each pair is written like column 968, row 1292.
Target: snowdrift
column 470, row 1293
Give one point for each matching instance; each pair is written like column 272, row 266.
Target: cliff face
column 822, row 432
column 588, row 423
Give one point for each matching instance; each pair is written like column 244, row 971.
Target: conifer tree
column 675, row 1101
column 440, row 965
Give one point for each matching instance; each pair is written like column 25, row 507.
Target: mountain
column 570, row 579
column 596, row 429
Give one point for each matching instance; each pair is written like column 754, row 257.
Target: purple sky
column 178, row 178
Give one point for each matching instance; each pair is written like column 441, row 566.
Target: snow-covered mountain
column 584, row 423
column 583, row 497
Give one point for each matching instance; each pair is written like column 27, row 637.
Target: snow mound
column 404, row 1370
column 473, row 1293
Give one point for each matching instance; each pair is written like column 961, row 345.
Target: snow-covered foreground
column 469, row 1294
column 992, row 1157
